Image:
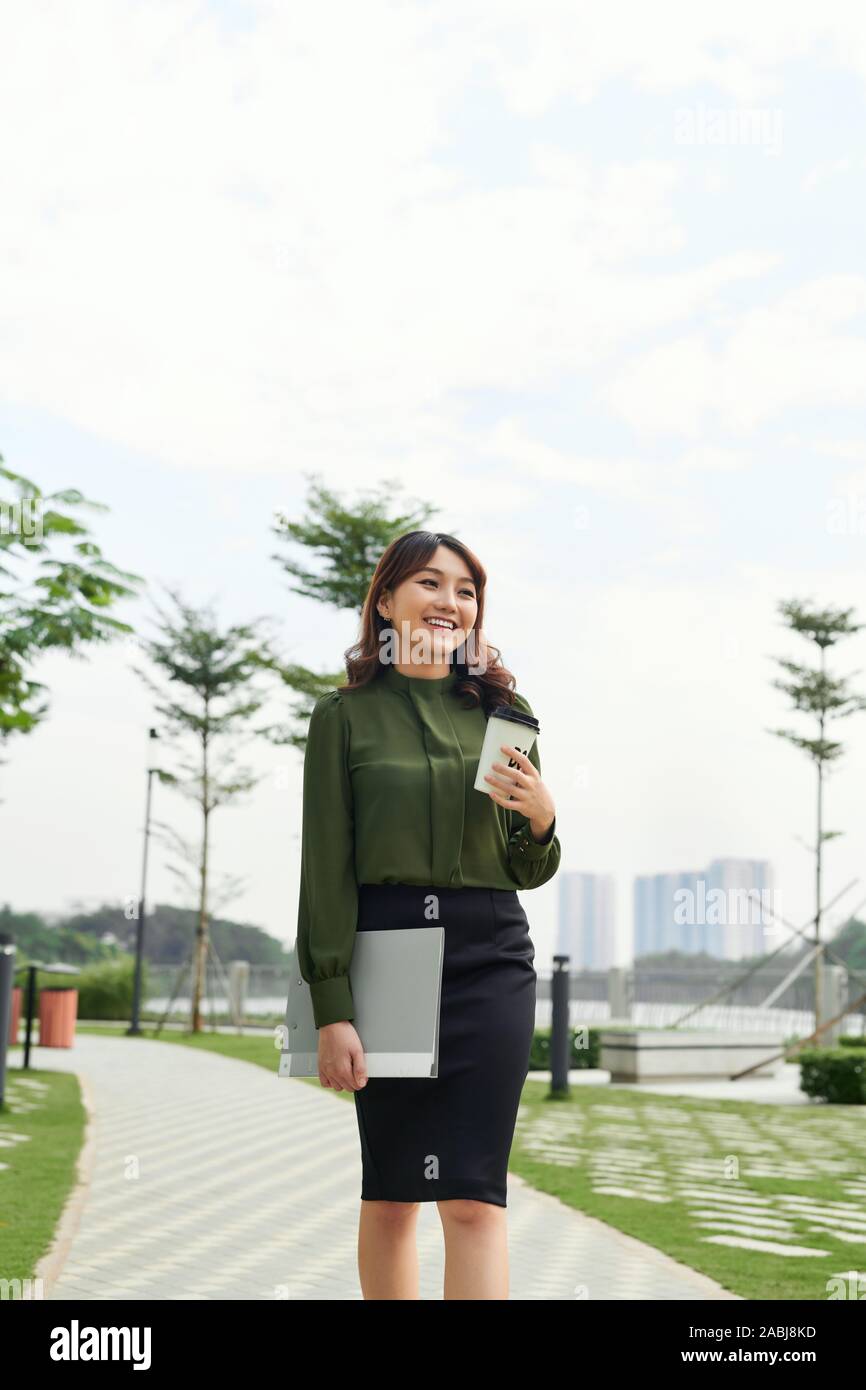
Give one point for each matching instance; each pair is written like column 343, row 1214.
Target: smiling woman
column 440, row 599
column 393, row 825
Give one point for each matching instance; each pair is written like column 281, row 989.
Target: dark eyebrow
column 464, row 578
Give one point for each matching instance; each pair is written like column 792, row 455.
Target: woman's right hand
column 342, row 1064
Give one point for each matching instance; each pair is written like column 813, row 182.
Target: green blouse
column 388, row 798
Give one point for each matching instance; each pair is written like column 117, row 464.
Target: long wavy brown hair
column 405, row 556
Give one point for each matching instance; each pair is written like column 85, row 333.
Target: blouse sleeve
column 532, row 862
column 328, row 899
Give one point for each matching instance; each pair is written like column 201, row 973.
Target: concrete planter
column 650, row 1054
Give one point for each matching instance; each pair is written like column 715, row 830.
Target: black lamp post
column 560, row 1040
column 135, row 1028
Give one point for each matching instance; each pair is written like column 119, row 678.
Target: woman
column 390, row 818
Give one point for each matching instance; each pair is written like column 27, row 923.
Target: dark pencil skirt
column 428, row 1139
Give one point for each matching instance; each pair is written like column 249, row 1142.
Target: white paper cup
column 504, row 725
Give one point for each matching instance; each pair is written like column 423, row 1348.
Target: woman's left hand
column 522, row 791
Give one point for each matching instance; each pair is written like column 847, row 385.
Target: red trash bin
column 15, row 1020
column 57, row 1013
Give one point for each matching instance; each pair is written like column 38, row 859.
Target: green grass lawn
column 677, row 1163
column 45, row 1106
column 673, row 1171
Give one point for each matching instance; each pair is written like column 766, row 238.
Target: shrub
column 836, row 1074
column 105, row 990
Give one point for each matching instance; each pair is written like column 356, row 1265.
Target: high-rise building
column 725, row 910
column 586, row 920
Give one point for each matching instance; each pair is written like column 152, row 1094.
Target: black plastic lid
column 509, row 712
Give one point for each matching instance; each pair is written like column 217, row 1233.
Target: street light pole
column 135, row 1027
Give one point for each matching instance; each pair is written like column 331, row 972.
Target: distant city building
column 725, row 910
column 586, row 920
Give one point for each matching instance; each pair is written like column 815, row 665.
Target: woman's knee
column 392, row 1213
column 469, row 1211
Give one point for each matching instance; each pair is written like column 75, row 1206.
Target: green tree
column 213, row 669
column 814, row 691
column 47, row 602
column 348, row 542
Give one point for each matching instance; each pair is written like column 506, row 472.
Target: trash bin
column 15, row 1018
column 57, row 1013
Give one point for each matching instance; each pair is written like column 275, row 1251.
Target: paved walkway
column 204, row 1177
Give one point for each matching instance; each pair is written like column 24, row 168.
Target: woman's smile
column 438, row 626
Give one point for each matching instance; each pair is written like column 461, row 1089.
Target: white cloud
column 543, row 53
column 793, row 351
column 252, row 249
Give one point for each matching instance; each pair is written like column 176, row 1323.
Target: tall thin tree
column 348, row 541
column 214, row 669
column 814, row 691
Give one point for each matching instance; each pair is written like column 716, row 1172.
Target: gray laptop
column 396, row 980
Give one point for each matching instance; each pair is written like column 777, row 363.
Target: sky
column 589, row 280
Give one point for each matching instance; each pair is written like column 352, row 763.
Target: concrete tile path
column 204, row 1177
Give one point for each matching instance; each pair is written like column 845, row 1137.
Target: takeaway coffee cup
column 504, row 725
